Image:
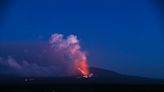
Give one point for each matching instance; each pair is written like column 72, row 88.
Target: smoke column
column 71, row 49
column 58, row 57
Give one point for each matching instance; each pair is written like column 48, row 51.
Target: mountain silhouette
column 102, row 79
column 110, row 77
column 103, row 76
column 100, row 76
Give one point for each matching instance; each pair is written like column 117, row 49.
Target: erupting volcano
column 71, row 49
column 83, row 68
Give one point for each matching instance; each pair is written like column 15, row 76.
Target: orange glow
column 83, row 68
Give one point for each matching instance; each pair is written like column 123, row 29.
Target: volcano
column 100, row 76
column 107, row 77
column 102, row 79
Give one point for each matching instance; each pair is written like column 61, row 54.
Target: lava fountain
column 71, row 48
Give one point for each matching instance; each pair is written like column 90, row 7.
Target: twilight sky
column 125, row 36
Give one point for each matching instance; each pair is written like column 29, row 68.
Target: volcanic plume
column 70, row 46
column 58, row 57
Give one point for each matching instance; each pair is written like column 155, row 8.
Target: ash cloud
column 11, row 66
column 58, row 57
column 70, row 47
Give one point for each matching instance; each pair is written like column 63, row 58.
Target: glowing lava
column 85, row 73
column 83, row 67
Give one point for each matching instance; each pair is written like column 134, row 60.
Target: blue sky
column 120, row 35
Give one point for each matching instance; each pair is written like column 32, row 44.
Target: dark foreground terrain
column 101, row 80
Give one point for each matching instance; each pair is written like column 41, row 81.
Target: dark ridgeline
column 101, row 78
column 102, row 81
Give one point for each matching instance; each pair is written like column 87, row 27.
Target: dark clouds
column 24, row 68
column 59, row 57
column 32, row 60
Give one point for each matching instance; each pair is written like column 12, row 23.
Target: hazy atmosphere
column 125, row 36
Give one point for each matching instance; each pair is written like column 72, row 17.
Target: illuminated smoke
column 70, row 47
column 58, row 57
